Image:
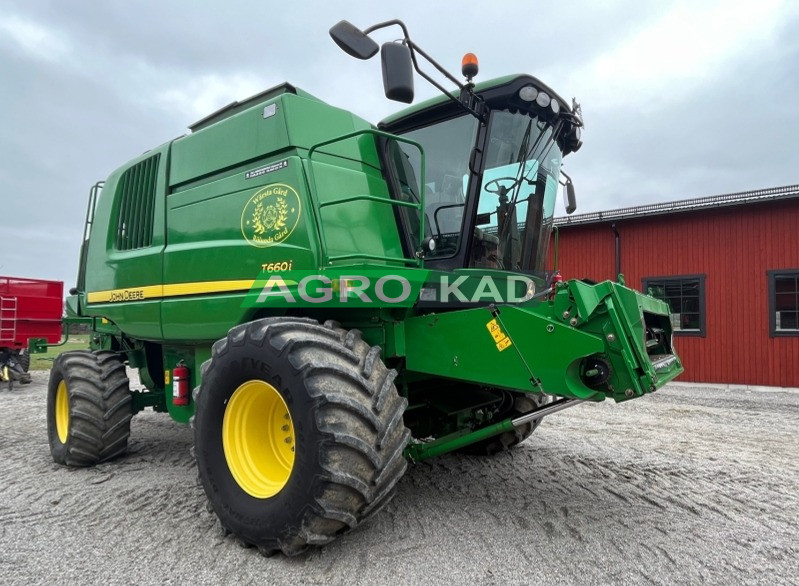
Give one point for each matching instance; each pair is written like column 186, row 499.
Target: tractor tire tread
column 358, row 414
column 24, row 360
column 100, row 406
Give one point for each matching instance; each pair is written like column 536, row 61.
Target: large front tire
column 299, row 434
column 88, row 408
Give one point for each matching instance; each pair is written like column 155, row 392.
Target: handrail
column 87, row 226
column 375, row 198
column 317, row 205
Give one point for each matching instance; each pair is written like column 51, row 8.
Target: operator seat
column 445, row 206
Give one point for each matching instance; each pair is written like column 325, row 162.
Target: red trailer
column 29, row 308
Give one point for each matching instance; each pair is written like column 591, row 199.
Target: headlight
column 543, row 99
column 528, row 93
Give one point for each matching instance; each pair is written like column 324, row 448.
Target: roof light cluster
column 547, row 107
column 543, row 100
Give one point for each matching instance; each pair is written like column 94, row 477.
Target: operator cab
column 491, row 177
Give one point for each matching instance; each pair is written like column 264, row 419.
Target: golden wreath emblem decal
column 271, row 215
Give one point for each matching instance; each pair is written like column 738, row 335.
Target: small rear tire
column 88, row 408
column 12, row 372
column 24, row 360
column 8, row 376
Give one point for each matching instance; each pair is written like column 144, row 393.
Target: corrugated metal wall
column 733, row 247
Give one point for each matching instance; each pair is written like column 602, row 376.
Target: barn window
column 686, row 298
column 783, row 288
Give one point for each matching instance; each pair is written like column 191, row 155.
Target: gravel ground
column 690, row 485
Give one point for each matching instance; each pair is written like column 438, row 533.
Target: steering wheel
column 499, row 187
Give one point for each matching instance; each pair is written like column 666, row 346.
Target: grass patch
column 45, row 361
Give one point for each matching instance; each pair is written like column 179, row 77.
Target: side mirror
column 353, row 41
column 569, row 200
column 397, row 72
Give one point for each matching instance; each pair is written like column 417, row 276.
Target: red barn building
column 727, row 265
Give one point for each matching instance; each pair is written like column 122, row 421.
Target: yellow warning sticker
column 500, row 338
column 502, row 344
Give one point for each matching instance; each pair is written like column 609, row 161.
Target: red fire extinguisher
column 180, row 385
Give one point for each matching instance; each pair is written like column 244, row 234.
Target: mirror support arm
column 476, row 112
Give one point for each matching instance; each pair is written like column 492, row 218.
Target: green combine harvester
column 325, row 300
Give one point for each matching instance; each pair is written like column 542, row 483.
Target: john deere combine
column 326, row 300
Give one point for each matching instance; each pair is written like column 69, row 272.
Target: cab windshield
column 516, row 199
column 517, row 194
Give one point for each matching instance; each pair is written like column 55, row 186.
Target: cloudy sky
column 681, row 99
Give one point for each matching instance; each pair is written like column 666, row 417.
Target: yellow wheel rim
column 62, row 411
column 258, row 439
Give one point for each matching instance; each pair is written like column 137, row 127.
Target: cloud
column 680, row 52
column 680, row 98
column 196, row 98
column 38, row 41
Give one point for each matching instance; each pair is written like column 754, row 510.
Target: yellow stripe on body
column 172, row 290
column 127, row 294
column 207, row 287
